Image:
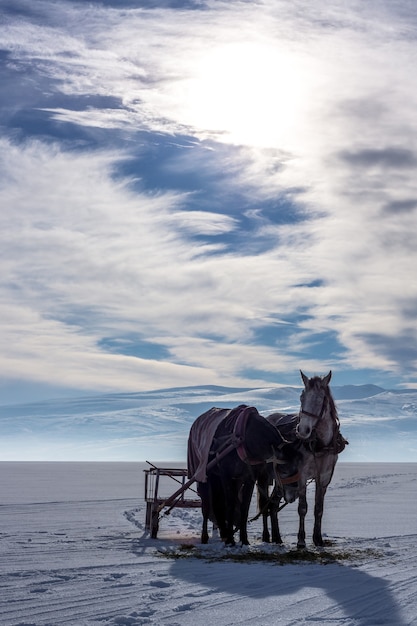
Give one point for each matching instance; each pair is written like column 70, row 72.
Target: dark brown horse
column 283, row 480
column 315, row 433
column 226, row 482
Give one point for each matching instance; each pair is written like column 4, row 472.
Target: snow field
column 74, row 551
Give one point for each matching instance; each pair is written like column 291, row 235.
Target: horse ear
column 327, row 378
column 305, row 378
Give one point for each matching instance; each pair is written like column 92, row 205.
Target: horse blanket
column 200, row 439
column 286, row 424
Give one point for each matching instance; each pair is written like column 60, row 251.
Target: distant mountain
column 356, row 391
column 185, row 394
column 381, row 425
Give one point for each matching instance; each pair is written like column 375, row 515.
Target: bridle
column 317, row 418
column 313, row 415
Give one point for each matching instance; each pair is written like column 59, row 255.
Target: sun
column 248, row 93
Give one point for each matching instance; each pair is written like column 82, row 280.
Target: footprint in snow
column 203, row 593
column 112, row 577
column 187, row 607
column 159, row 583
column 147, row 613
column 157, row 597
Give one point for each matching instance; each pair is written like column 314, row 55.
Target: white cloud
column 203, row 222
column 322, row 102
column 88, row 257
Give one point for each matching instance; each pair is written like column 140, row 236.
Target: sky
column 206, row 192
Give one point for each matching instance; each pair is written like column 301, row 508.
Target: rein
column 264, row 509
column 281, row 481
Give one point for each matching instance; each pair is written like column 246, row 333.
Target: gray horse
column 315, row 434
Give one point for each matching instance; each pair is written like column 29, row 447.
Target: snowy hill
column 381, row 425
column 350, row 392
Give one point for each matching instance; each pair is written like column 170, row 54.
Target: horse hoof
column 318, row 541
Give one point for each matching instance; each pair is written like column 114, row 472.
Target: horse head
column 315, row 400
column 261, row 442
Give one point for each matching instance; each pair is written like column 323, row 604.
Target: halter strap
column 313, row 415
column 290, row 479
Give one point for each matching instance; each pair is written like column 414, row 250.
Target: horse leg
column 265, row 530
column 321, row 488
column 274, row 507
column 269, row 507
column 263, row 505
column 318, row 514
column 204, row 493
column 246, row 497
column 230, row 499
column 302, row 512
column 218, row 505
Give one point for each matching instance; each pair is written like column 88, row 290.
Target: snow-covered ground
column 74, row 551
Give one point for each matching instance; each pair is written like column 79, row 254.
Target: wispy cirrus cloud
column 183, row 176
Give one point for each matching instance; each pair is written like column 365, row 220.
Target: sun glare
column 253, row 94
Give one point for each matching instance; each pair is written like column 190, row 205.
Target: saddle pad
column 286, row 424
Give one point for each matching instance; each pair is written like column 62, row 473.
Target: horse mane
column 317, row 381
column 332, row 407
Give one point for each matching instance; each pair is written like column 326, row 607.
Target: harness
column 238, row 420
column 318, row 449
column 314, row 445
column 239, row 431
